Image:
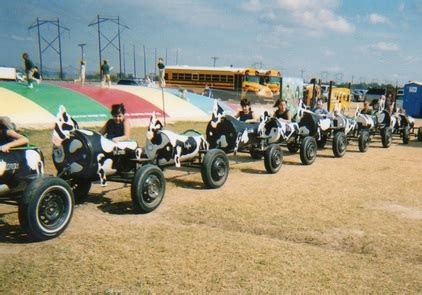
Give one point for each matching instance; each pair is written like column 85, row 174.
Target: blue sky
column 374, row 40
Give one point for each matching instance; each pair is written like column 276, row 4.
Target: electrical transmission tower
column 110, row 41
column 215, row 59
column 56, row 23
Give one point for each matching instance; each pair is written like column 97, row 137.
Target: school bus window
column 215, row 78
column 188, row 76
column 195, row 77
column 230, row 79
column 201, row 77
column 175, row 76
column 166, row 76
column 208, row 77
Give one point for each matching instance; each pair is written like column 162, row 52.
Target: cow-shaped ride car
column 166, row 148
column 378, row 123
column 82, row 156
column 403, row 125
column 232, row 136
column 45, row 202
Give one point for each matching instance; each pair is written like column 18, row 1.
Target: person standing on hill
column 105, row 72
column 82, row 70
column 29, row 67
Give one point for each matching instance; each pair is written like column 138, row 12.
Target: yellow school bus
column 272, row 79
column 243, row 81
column 340, row 96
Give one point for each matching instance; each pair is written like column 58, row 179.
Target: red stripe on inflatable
column 136, row 107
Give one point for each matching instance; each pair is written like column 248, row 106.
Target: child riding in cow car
column 45, row 202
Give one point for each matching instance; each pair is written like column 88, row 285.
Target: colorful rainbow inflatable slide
column 36, row 107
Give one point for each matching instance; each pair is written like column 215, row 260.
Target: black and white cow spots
column 87, row 154
column 229, row 134
column 167, row 147
column 64, row 125
column 19, row 164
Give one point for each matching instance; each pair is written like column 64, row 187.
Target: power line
column 110, row 41
column 56, row 23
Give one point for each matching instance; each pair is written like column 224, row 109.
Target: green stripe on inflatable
column 50, row 97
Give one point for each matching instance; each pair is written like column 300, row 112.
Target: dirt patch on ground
column 349, row 225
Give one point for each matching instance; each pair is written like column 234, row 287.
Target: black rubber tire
column 293, row 147
column 46, row 207
column 406, row 135
column 148, row 189
column 339, row 144
column 420, row 134
column 215, row 168
column 321, row 143
column 386, row 137
column 80, row 189
column 308, row 150
column 363, row 141
column 255, row 154
column 273, row 158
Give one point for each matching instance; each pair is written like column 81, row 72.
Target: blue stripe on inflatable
column 205, row 103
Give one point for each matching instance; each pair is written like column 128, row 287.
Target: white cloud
column 329, row 52
column 252, row 5
column 375, row 18
column 307, row 16
column 384, row 46
column 21, row 38
column 401, row 7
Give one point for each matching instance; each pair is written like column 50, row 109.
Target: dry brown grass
column 350, row 225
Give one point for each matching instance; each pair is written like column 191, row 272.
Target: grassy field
column 349, row 225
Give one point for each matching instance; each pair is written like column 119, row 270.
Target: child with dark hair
column 282, row 112
column 118, row 128
column 246, row 114
column 9, row 138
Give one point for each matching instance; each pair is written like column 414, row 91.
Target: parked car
column 127, row 82
column 359, row 94
column 375, row 93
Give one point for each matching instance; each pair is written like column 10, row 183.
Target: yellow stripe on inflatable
column 22, row 111
column 175, row 107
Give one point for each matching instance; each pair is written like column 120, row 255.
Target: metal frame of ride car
column 166, row 148
column 376, row 124
column 230, row 135
column 404, row 126
column 82, row 156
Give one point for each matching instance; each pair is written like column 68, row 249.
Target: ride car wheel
column 215, row 168
column 363, row 141
column 308, row 150
column 273, row 158
column 386, row 137
column 148, row 189
column 339, row 144
column 406, row 135
column 46, row 207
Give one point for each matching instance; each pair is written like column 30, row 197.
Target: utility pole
column 124, row 60
column 82, row 50
column 56, row 23
column 145, row 63
column 215, row 59
column 110, row 41
column 134, row 62
column 155, row 58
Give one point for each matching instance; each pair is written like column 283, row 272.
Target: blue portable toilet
column 412, row 99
